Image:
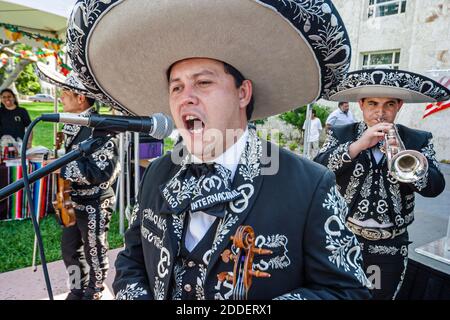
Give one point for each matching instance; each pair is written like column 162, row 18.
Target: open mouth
column 193, row 124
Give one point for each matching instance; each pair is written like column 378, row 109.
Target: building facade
column 412, row 35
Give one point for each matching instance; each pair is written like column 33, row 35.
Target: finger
column 379, row 134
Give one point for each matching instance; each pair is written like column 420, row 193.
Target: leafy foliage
column 297, row 117
column 27, row 82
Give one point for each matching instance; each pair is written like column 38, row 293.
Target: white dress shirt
column 338, row 117
column 377, row 154
column 199, row 221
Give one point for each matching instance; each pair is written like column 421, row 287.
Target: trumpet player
column 379, row 166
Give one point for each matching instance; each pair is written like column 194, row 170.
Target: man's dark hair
column 90, row 101
column 340, row 104
column 238, row 79
column 313, row 112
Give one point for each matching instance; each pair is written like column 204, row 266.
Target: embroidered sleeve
column 131, row 281
column 333, row 260
column 100, row 167
column 72, row 173
column 432, row 183
column 290, row 296
column 131, row 292
column 334, row 154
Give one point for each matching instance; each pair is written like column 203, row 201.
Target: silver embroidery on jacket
column 131, row 292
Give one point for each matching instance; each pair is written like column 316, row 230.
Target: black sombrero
column 294, row 51
column 407, row 86
column 71, row 82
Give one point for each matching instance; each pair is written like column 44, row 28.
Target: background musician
column 381, row 206
column 84, row 246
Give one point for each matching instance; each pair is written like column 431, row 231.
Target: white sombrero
column 380, row 83
column 293, row 51
column 71, row 82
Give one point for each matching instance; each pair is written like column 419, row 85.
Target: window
column 381, row 8
column 385, row 59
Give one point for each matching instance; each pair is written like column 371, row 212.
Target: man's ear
column 81, row 99
column 245, row 93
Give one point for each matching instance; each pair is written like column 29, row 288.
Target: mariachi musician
column 192, row 201
column 84, row 245
column 379, row 166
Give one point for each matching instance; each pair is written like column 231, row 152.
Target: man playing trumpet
column 377, row 185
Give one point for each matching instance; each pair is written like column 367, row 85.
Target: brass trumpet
column 404, row 165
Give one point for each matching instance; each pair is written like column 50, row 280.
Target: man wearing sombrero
column 377, row 181
column 190, row 58
column 84, row 246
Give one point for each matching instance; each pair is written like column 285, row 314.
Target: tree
column 29, row 82
column 297, row 116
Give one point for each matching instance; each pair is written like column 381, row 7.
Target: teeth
column 188, row 118
column 197, row 130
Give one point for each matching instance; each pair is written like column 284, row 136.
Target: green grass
column 16, row 247
column 168, row 145
column 17, row 237
column 43, row 131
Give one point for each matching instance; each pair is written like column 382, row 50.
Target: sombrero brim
column 125, row 49
column 47, row 74
column 386, row 83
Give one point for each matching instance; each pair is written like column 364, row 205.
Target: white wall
column 422, row 34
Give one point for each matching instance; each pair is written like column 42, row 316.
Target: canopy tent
column 34, row 22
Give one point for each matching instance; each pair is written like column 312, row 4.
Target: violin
column 63, row 204
column 244, row 241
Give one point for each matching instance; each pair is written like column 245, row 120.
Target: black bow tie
column 199, row 187
column 380, row 145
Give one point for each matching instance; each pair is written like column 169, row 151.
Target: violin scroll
column 244, row 241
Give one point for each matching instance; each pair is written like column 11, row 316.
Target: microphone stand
column 86, row 148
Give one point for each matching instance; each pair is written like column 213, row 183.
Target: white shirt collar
column 87, row 111
column 231, row 157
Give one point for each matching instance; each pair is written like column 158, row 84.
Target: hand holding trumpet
column 371, row 137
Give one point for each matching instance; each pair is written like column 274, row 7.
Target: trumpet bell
column 408, row 166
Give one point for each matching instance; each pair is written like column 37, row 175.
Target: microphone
column 158, row 126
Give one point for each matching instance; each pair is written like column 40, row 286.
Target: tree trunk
column 13, row 76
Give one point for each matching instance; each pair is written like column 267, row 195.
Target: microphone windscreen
column 162, row 126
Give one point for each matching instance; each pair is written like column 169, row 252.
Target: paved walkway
column 24, row 284
column 432, row 217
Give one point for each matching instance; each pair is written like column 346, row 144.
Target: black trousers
column 84, row 246
column 385, row 263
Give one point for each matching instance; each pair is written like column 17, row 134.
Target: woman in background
column 13, row 119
